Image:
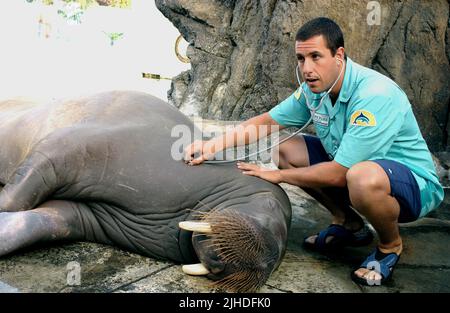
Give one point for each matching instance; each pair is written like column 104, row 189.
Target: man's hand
column 273, row 176
column 205, row 149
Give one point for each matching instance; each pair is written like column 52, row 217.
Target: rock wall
column 242, row 53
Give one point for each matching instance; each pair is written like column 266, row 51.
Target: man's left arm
column 325, row 174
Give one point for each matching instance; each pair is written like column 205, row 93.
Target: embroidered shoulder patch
column 363, row 118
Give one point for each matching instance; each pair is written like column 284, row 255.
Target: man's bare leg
column 293, row 154
column 370, row 189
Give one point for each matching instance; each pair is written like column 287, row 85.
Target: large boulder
column 242, row 53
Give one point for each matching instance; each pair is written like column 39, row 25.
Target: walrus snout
column 235, row 249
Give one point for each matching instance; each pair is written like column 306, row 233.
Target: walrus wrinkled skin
column 100, row 169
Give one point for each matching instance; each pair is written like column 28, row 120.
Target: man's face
column 318, row 66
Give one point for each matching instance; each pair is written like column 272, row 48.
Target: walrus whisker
column 205, row 205
column 226, row 255
column 243, row 281
column 244, row 284
column 215, row 246
column 197, row 235
column 238, row 242
column 234, row 259
column 240, row 282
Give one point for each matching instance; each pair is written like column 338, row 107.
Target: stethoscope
column 312, row 110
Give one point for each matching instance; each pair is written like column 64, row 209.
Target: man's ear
column 340, row 53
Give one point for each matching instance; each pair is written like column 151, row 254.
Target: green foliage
column 113, row 37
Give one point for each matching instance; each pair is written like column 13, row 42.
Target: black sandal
column 342, row 237
column 381, row 263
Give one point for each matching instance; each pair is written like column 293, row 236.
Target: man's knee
column 291, row 154
column 280, row 156
column 364, row 178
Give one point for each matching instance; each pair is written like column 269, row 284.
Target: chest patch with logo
column 363, row 118
column 322, row 119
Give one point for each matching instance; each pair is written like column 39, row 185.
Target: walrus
column 99, row 168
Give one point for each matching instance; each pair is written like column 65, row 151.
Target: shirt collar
column 349, row 83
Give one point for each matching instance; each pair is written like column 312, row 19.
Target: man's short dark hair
column 322, row 26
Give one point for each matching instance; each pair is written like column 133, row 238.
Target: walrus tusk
column 195, row 269
column 201, row 227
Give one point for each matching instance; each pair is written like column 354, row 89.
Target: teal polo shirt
column 372, row 119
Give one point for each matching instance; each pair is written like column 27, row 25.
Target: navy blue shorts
column 404, row 187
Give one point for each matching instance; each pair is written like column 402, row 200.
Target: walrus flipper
column 32, row 182
column 52, row 221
